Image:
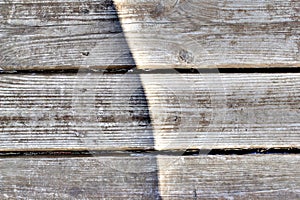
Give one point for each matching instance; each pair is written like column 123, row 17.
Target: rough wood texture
column 230, row 177
column 204, row 177
column 159, row 34
column 145, row 111
column 96, row 111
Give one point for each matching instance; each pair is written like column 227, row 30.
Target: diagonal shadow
column 136, row 118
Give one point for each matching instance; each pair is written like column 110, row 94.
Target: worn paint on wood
column 160, row 34
column 204, row 177
column 174, row 111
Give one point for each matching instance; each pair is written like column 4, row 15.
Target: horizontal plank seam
column 187, row 152
column 158, row 71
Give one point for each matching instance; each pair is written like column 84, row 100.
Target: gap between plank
column 136, row 153
column 158, row 71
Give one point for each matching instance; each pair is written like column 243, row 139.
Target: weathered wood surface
column 159, row 34
column 231, row 177
column 203, row 177
column 94, row 111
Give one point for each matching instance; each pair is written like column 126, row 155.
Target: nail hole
column 86, row 53
column 85, row 11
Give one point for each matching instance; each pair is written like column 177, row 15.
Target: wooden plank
column 203, row 177
column 230, row 177
column 77, row 178
column 66, row 34
column 95, row 111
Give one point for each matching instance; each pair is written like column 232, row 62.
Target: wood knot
column 75, row 191
column 185, row 56
column 157, row 11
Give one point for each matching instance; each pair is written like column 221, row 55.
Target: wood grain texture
column 203, row 177
column 158, row 34
column 95, row 111
column 230, row 177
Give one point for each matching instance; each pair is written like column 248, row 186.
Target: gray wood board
column 65, row 34
column 95, row 111
column 143, row 177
